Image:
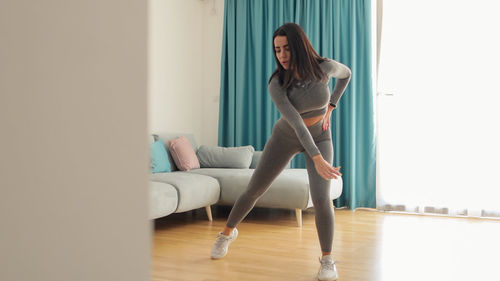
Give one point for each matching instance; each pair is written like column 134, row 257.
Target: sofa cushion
column 194, row 190
column 255, row 159
column 183, row 154
column 290, row 190
column 159, row 158
column 162, row 199
column 225, row 157
column 166, row 137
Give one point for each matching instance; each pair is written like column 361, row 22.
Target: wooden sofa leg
column 209, row 212
column 298, row 214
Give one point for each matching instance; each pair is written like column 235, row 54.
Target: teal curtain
column 338, row 29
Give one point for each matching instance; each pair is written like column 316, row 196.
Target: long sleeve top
column 307, row 99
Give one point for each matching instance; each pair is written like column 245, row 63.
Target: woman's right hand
column 324, row 169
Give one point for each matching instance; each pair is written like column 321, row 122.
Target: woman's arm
column 292, row 116
column 343, row 74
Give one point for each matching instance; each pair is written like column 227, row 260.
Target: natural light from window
column 438, row 106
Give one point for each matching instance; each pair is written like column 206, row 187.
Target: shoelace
column 221, row 239
column 326, row 264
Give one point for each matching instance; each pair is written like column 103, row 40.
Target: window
column 438, row 109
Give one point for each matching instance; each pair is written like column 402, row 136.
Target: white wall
column 73, row 146
column 185, row 46
column 213, row 29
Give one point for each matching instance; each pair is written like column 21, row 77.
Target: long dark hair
column 304, row 61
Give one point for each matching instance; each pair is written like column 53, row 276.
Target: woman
column 299, row 89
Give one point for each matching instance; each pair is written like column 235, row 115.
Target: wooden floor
column 368, row 246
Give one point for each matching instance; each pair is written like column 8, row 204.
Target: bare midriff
column 313, row 120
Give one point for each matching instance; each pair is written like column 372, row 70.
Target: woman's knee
column 322, row 204
column 253, row 194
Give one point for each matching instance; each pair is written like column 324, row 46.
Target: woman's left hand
column 326, row 118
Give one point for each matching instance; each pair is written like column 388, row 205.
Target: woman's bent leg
column 276, row 154
column 320, row 195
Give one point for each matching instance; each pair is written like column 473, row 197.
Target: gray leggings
column 279, row 149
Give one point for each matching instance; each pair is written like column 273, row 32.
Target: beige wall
column 213, row 28
column 184, row 67
column 73, row 152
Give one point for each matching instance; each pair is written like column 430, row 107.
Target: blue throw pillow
column 159, row 158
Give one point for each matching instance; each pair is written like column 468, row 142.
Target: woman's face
column 282, row 51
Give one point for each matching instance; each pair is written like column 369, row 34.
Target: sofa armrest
column 256, row 159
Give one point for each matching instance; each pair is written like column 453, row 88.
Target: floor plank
column 368, row 245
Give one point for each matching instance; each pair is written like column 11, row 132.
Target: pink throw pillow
column 183, row 154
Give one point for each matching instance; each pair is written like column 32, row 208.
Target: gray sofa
column 181, row 191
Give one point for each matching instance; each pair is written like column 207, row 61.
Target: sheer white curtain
column 438, row 108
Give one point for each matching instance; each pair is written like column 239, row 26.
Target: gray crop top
column 307, row 99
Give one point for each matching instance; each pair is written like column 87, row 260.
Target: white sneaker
column 219, row 250
column 328, row 270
